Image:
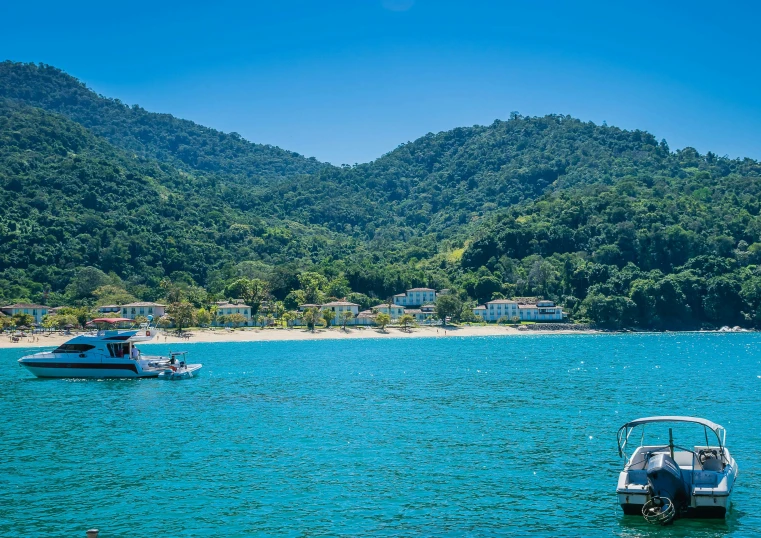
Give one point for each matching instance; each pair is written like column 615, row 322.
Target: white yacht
column 662, row 482
column 101, row 354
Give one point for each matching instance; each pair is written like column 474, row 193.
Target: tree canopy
column 106, row 203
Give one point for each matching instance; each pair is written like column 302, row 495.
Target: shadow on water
column 637, row 527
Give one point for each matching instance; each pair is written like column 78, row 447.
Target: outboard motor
column 667, row 489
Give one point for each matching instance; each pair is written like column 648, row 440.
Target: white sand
column 271, row 334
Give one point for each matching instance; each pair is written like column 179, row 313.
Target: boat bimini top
column 625, row 431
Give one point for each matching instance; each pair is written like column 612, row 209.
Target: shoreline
column 298, row 334
column 334, row 333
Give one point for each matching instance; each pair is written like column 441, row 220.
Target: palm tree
column 310, row 318
column 406, row 320
column 346, row 317
column 327, row 317
column 382, row 320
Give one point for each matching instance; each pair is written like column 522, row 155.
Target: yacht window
column 118, row 350
column 73, row 348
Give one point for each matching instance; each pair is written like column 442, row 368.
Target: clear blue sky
column 348, row 81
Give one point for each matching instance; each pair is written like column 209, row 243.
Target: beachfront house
column 339, row 308
column 498, row 309
column 133, row 310
column 511, row 309
column 110, row 310
column 394, row 311
column 366, row 317
column 541, row 311
column 225, row 308
column 425, row 314
column 419, row 315
column 415, row 297
column 37, row 311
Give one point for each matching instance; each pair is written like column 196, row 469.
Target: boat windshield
column 73, row 348
column 658, row 432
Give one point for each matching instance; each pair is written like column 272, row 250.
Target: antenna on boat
column 671, row 443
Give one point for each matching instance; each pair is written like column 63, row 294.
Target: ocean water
column 486, row 436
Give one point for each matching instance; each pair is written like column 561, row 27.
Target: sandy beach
column 279, row 334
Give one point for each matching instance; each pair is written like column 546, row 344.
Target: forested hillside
column 146, row 134
column 608, row 222
column 673, row 250
column 72, row 200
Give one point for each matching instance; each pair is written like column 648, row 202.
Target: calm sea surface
column 446, row 437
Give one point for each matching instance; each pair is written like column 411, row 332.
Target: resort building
column 226, row 309
column 419, row 315
column 510, row 309
column 366, row 317
column 415, row 297
column 498, row 309
column 110, row 309
column 306, row 306
column 428, row 308
column 394, row 311
column 541, row 311
column 339, row 308
column 133, row 310
column 37, row 311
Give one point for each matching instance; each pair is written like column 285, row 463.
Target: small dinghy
column 178, row 368
column 663, row 482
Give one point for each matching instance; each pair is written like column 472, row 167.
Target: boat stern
column 632, row 496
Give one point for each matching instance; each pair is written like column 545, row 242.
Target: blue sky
column 348, row 81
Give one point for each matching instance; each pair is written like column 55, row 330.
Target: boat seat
column 684, row 460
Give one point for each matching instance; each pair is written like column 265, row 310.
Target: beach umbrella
column 68, row 326
column 22, row 328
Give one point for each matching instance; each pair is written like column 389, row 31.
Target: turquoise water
column 451, row 437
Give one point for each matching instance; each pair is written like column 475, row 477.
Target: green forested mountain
column 609, row 222
column 70, row 199
column 672, row 250
column 162, row 137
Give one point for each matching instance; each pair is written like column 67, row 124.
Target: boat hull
column 86, row 370
column 701, row 507
column 192, row 370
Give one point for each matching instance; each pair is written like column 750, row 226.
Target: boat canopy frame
column 626, row 430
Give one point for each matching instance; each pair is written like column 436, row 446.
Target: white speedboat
column 662, row 482
column 99, row 354
column 178, row 367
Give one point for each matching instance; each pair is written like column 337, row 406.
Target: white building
column 227, row 309
column 498, row 309
column 37, row 311
column 419, row 314
column 366, row 317
column 133, row 310
column 110, row 309
column 415, row 297
column 339, row 308
column 510, row 309
column 395, row 311
column 541, row 311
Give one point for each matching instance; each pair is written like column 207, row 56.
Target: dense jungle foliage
column 100, row 198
